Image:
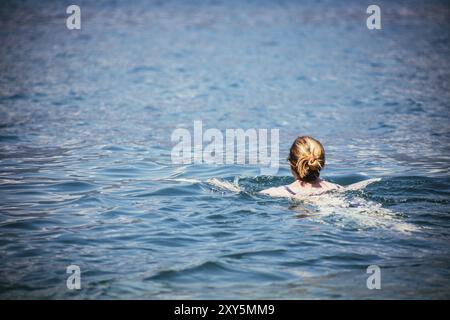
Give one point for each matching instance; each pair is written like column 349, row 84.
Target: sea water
column 86, row 175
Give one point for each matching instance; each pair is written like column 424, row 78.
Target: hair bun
column 307, row 158
column 314, row 164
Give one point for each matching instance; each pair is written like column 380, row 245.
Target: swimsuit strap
column 289, row 190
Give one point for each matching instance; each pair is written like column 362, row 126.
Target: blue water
column 85, row 170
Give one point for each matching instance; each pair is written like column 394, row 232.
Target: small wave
column 72, row 186
column 342, row 207
column 223, row 184
column 144, row 69
column 362, row 184
column 188, row 271
column 182, row 180
column 352, row 211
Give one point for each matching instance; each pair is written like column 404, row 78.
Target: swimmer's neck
column 299, row 184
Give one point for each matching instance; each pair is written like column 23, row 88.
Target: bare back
column 301, row 188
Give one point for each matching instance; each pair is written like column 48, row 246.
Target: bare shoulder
column 275, row 192
column 329, row 185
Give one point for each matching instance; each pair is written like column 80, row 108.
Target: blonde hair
column 307, row 158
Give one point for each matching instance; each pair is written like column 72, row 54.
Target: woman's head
column 306, row 158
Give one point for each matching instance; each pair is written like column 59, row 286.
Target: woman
column 306, row 159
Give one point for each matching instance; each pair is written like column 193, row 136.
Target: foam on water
column 343, row 204
column 223, row 184
column 87, row 116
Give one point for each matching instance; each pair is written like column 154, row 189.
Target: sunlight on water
column 86, row 178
